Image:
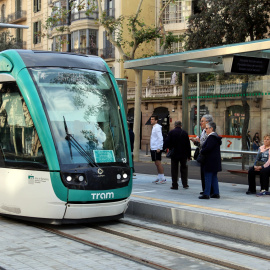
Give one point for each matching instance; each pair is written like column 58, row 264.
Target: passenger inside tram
column 18, row 137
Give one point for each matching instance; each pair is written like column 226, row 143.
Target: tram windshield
column 84, row 115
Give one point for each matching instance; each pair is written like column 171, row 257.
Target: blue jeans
column 211, row 180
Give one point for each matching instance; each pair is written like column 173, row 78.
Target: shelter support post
column 137, row 113
column 184, row 101
column 198, row 104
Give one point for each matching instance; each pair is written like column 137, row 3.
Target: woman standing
column 199, row 141
column 256, row 142
column 212, row 163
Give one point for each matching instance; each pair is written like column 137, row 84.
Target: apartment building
column 24, row 12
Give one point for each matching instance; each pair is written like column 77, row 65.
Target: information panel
column 249, row 65
column 104, row 156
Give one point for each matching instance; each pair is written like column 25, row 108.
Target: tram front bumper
column 95, row 210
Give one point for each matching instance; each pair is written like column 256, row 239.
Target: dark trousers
column 183, row 171
column 211, row 182
column 264, row 178
column 203, row 181
column 202, row 178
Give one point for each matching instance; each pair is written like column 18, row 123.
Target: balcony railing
column 17, row 16
column 3, row 20
column 206, row 89
column 88, row 51
column 107, row 53
column 21, row 44
column 82, row 15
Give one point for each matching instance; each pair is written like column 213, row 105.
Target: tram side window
column 19, row 142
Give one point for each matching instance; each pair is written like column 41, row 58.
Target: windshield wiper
column 73, row 142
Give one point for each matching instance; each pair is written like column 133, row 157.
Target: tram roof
column 202, row 60
column 58, row 59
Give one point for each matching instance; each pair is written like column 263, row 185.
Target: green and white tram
column 65, row 152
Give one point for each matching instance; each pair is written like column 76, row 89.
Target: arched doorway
column 163, row 119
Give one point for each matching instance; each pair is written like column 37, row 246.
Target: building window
column 164, row 78
column 108, row 49
column 3, row 14
column 173, row 12
column 83, row 38
column 18, row 5
column 60, row 43
column 19, row 35
column 36, row 32
column 175, row 47
column 110, row 8
column 84, row 41
column 37, row 5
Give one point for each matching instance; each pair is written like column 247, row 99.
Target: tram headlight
column 74, row 179
column 122, row 177
column 81, row 178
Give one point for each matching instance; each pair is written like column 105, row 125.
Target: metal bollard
column 146, row 149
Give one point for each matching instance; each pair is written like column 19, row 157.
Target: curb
column 225, row 226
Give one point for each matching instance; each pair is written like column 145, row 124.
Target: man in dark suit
column 178, row 140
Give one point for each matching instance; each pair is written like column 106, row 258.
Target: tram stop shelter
column 239, row 58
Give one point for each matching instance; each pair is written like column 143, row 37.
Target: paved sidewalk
column 235, row 214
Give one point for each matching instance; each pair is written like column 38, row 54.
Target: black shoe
column 186, row 187
column 174, row 188
column 215, row 196
column 250, row 192
column 206, row 197
column 201, row 192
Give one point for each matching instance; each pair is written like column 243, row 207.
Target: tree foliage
column 7, row 41
column 219, row 22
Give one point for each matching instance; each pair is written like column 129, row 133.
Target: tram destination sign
column 246, row 65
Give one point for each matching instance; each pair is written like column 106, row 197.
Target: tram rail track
column 104, row 248
column 167, row 248
column 195, row 240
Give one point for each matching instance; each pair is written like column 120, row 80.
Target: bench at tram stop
column 239, row 172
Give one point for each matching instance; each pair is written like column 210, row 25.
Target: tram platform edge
column 235, row 214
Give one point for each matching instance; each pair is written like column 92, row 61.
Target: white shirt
column 156, row 140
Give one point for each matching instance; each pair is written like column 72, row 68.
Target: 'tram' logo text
column 103, row 196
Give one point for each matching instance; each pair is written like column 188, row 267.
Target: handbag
column 170, row 153
column 201, row 158
column 259, row 163
column 196, row 153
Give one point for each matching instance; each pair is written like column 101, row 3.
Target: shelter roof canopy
column 202, row 60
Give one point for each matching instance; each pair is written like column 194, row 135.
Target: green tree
column 7, row 41
column 220, row 22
